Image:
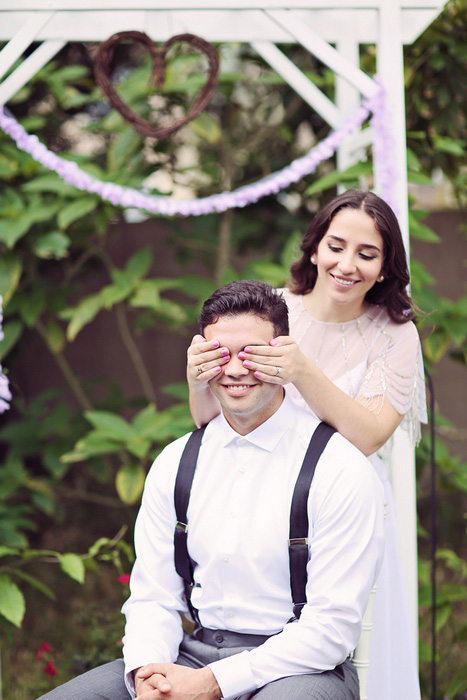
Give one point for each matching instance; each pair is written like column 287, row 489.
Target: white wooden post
column 391, row 70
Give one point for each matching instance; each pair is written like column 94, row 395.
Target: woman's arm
column 204, row 361
column 367, row 427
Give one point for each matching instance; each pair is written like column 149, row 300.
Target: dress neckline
column 331, row 323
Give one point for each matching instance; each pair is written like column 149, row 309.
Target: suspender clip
column 298, row 540
column 181, row 526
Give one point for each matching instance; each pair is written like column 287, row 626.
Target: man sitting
column 245, row 645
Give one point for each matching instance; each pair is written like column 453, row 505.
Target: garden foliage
column 82, row 438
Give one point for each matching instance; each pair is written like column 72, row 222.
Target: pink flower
column 50, row 669
column 124, row 578
column 42, row 649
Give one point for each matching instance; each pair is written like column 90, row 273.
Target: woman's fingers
column 272, row 363
column 205, row 359
column 272, row 375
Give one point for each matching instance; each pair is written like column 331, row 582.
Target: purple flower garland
column 5, row 394
column 241, row 197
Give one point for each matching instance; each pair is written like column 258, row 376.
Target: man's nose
column 235, row 368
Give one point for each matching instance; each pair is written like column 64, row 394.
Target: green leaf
column 265, row 271
column 420, row 231
column 207, row 127
column 130, row 482
column 11, row 230
column 178, row 391
column 123, row 146
column 147, row 295
column 76, row 210
column 198, row 287
column 7, row 551
column 436, row 345
column 35, row 583
column 83, row 314
column 97, row 546
column 11, row 333
column 336, row 177
column 8, row 167
column 419, row 178
column 73, row 566
column 114, row 293
column 31, row 305
column 55, row 337
column 110, row 425
column 51, row 183
column 138, row 265
column 12, row 605
column 52, row 245
column 447, row 145
column 10, row 274
column 144, row 421
column 92, row 445
column 457, row 684
column 443, row 613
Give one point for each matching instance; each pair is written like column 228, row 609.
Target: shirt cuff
column 130, row 683
column 234, row 675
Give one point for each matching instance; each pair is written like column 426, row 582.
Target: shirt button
column 242, row 441
column 233, row 514
column 241, row 470
column 219, row 638
column 225, row 559
column 231, row 614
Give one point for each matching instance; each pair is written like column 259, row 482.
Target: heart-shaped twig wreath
column 102, row 66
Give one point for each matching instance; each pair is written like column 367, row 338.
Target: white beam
column 347, row 96
column 22, row 39
column 210, row 4
column 300, row 83
column 29, row 68
column 216, row 25
column 324, row 52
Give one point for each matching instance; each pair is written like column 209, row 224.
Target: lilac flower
column 5, row 394
column 271, row 184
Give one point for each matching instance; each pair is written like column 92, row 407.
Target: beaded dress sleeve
column 367, row 357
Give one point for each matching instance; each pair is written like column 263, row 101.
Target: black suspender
column 298, row 531
column 186, row 471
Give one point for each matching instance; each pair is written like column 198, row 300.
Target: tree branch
column 67, row 372
column 135, row 355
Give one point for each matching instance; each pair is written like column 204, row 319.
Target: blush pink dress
column 367, row 357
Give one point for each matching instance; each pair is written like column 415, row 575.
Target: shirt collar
column 267, row 435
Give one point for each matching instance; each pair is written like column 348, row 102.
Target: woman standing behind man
column 354, row 358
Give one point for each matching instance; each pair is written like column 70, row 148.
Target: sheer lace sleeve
column 395, row 372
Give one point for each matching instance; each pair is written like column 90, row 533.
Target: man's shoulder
column 344, row 464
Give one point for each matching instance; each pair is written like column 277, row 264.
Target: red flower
column 124, row 578
column 50, row 669
column 42, row 649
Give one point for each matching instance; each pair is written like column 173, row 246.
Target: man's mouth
column 238, row 389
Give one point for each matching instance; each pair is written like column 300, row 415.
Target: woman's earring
column 313, row 260
column 381, row 278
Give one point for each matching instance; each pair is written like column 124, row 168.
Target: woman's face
column 349, row 260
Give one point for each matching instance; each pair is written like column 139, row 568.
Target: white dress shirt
column 238, row 528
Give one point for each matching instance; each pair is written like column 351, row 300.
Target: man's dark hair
column 246, row 297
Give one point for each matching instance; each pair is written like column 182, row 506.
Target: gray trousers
column 107, row 683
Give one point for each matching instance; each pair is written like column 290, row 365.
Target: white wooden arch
column 332, row 30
